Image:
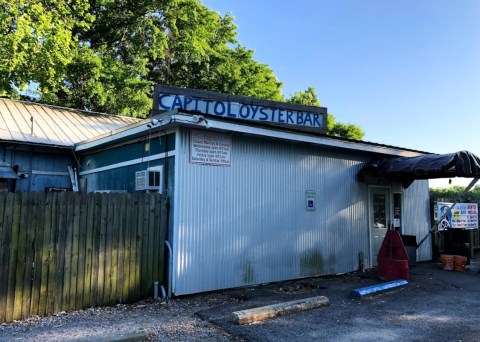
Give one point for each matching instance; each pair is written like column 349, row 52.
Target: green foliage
column 98, row 81
column 454, row 192
column 106, row 55
column 309, row 98
column 177, row 42
column 342, row 130
column 37, row 43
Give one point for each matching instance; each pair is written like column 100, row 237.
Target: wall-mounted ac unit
column 151, row 179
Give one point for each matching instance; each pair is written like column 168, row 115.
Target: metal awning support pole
column 460, row 197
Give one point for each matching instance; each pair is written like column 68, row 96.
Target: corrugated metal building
column 257, row 193
column 37, row 142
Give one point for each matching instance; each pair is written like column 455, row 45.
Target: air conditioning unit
column 151, row 179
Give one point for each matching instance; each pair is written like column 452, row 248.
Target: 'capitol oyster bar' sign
column 239, row 107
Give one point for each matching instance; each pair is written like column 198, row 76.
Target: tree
column 134, row 45
column 106, row 55
column 37, row 43
column 97, row 81
column 452, row 193
column 309, row 98
column 342, row 130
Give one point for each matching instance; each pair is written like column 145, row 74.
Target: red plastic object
column 392, row 258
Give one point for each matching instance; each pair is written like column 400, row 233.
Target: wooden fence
column 65, row 251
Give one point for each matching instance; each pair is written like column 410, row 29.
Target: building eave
column 177, row 119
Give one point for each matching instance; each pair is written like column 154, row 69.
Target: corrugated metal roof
column 33, row 123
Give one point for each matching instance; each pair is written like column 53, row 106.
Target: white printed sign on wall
column 210, row 148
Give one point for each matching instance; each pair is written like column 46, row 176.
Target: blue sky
column 407, row 72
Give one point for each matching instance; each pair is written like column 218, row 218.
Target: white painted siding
column 416, row 213
column 247, row 223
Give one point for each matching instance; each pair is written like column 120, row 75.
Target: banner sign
column 239, row 107
column 462, row 215
column 210, row 148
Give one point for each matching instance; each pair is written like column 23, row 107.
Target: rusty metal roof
column 33, row 123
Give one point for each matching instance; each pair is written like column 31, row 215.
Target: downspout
column 170, row 268
column 167, row 243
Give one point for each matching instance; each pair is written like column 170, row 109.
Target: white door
column 380, row 218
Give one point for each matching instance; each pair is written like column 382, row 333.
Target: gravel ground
column 436, row 305
column 172, row 321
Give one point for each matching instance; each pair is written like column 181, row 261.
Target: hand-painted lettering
column 289, row 117
column 196, row 105
column 186, row 101
column 177, row 103
column 230, row 113
column 160, row 102
column 244, row 112
column 207, row 105
column 219, row 108
column 263, row 112
column 299, row 118
column 239, row 110
column 309, row 119
column 254, row 111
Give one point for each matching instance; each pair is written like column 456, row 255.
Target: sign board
column 239, row 108
column 463, row 215
column 210, row 148
column 310, row 200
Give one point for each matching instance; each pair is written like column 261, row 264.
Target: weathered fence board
column 12, row 265
column 82, row 252
column 51, row 227
column 120, row 221
column 38, row 261
column 74, row 255
column 6, row 232
column 45, row 250
column 65, row 251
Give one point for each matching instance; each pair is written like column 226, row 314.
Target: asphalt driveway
column 436, row 305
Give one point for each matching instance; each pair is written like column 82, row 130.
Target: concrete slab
column 274, row 310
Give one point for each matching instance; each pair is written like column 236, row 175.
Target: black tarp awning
column 429, row 166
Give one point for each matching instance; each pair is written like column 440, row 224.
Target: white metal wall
column 416, row 216
column 247, row 223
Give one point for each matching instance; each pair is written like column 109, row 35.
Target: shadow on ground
column 436, row 305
